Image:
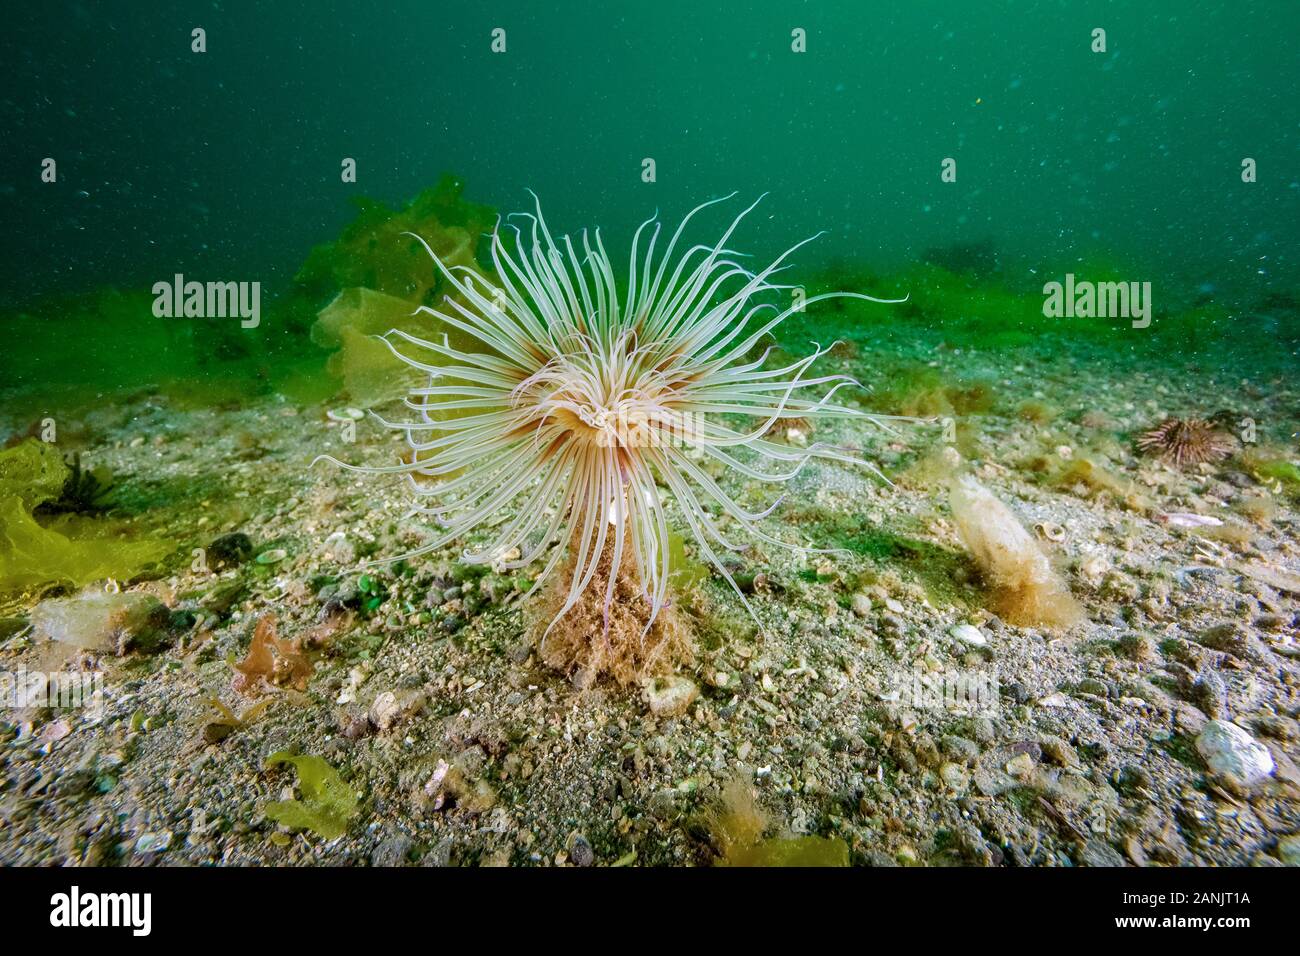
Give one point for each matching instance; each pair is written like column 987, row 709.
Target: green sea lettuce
column 371, row 373
column 374, row 252
column 32, row 473
column 379, row 274
column 684, row 571
column 327, row 803
column 70, row 549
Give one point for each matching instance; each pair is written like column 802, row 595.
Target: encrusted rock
column 391, row 706
column 1288, row 849
column 670, row 696
column 1137, row 646
column 861, row 604
column 955, row 776
column 1231, row 752
column 339, row 549
column 1229, row 637
column 101, row 621
column 229, row 550
column 580, row 851
column 392, row 852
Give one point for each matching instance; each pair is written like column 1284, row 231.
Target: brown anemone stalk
column 576, row 405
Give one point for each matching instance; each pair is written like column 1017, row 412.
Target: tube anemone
column 577, row 404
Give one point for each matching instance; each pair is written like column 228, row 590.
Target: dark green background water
column 225, row 165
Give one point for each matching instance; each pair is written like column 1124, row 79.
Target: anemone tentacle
column 577, row 404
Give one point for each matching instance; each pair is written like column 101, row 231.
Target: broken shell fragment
column 1185, row 519
column 345, row 414
column 1050, row 530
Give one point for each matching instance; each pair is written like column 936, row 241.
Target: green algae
column 209, row 362
column 737, row 822
column 922, row 392
column 79, row 355
column 379, row 274
column 315, row 335
column 1279, row 469
column 684, row 572
column 800, row 851
column 327, row 803
column 935, row 568
column 368, row 369
column 32, row 473
column 375, row 252
column 956, row 302
column 70, row 549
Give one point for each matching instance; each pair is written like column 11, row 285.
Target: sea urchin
column 575, row 405
column 1187, row 441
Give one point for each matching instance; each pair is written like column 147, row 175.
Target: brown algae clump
column 623, row 639
column 1026, row 590
column 1086, row 476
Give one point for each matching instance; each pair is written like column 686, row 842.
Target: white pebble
column 1229, row 750
column 968, row 634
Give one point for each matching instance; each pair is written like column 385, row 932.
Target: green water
column 226, row 165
